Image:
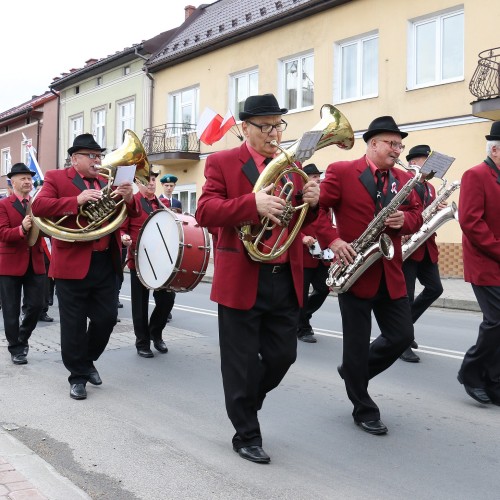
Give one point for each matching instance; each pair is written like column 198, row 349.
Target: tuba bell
column 92, row 216
column 335, row 129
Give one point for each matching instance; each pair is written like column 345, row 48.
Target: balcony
column 171, row 141
column 485, row 85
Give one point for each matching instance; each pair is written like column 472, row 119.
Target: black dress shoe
column 253, row 453
column 160, row 346
column 308, row 338
column 475, row 392
column 78, row 391
column 373, row 427
column 145, row 353
column 120, row 305
column 409, row 356
column 19, row 359
column 414, row 345
column 45, row 317
column 95, row 378
column 341, row 371
column 169, row 316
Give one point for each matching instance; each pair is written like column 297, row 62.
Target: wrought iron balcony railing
column 485, row 83
column 171, row 138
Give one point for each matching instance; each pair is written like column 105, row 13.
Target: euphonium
column 92, row 215
column 335, row 129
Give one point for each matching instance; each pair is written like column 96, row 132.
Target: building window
column 184, row 108
column 25, row 155
column 77, row 89
column 99, row 81
column 186, row 194
column 126, row 119
column 126, row 70
column 75, row 128
column 436, row 50
column 99, row 126
column 298, row 82
column 356, row 68
column 243, row 85
column 6, row 161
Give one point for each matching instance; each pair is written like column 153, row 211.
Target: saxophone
column 433, row 219
column 372, row 244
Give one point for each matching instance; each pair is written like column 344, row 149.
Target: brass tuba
column 335, row 129
column 92, row 215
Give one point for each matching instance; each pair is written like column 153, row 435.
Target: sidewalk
column 24, row 475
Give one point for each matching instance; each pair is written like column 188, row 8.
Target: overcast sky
column 39, row 40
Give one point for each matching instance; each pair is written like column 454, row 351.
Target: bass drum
column 172, row 251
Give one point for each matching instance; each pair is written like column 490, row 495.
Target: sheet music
column 437, row 163
column 307, row 145
column 124, row 174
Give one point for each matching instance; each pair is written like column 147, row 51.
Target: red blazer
column 132, row 227
column 346, row 189
column 419, row 254
column 227, row 202
column 15, row 252
column 71, row 260
column 480, row 223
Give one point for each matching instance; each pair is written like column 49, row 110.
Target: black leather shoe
column 375, row 427
column 95, row 378
column 19, row 359
column 145, row 353
column 409, row 356
column 160, row 346
column 310, row 339
column 414, row 345
column 341, row 371
column 120, row 305
column 78, row 391
column 45, row 317
column 169, row 316
column 475, row 392
column 254, row 454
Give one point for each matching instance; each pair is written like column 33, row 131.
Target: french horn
column 335, row 129
column 102, row 217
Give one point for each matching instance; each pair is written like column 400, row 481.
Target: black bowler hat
column 20, row 168
column 380, row 125
column 494, row 133
column 311, row 169
column 84, row 141
column 416, row 151
column 261, row 105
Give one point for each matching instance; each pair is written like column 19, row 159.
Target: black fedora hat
column 494, row 133
column 380, row 125
column 84, row 141
column 261, row 105
column 20, row 168
column 311, row 169
column 416, row 151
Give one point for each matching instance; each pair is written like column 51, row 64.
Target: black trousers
column 313, row 301
column 427, row 274
column 257, row 348
column 30, row 286
column 149, row 328
column 93, row 297
column 481, row 363
column 363, row 360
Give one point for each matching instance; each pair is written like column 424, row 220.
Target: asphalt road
column 157, row 428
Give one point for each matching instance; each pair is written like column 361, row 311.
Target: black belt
column 275, row 268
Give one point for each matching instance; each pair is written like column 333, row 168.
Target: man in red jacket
column 146, row 328
column 258, row 302
column 356, row 191
column 478, row 218
column 22, row 268
column 85, row 272
column 423, row 262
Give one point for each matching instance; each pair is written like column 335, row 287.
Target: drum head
column 157, row 249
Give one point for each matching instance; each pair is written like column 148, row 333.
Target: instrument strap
column 492, row 165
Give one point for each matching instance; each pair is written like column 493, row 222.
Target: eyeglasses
column 394, row 144
column 267, row 128
column 93, row 156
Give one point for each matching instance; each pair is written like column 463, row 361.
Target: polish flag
column 212, row 126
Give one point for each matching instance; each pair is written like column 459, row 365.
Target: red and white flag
column 212, row 126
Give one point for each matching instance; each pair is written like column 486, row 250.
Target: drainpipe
column 151, row 88
column 58, row 123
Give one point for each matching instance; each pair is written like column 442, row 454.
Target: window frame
column 283, row 89
column 358, row 41
column 6, row 160
column 233, row 98
column 126, row 122
column 438, row 18
column 99, row 129
column 75, row 131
